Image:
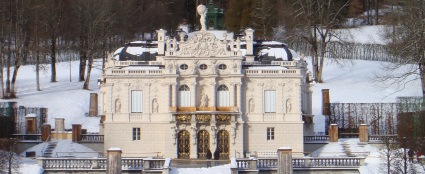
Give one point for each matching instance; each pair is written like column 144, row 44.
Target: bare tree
column 316, row 26
column 407, row 41
column 8, row 157
column 263, row 15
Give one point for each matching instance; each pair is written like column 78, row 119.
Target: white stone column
column 168, row 96
column 213, row 94
column 239, row 96
column 174, row 99
column 193, row 94
column 232, row 94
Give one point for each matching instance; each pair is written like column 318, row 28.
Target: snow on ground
column 29, row 165
column 64, row 99
column 224, row 169
column 355, row 83
column 64, row 148
column 362, row 35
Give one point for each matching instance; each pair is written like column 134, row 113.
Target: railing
column 300, row 163
column 255, row 71
column 246, row 164
column 348, row 135
column 133, row 164
column 128, row 63
column 312, row 138
column 134, row 72
column 91, row 138
column 280, row 63
column 327, row 162
column 267, row 163
column 28, row 137
column 382, row 137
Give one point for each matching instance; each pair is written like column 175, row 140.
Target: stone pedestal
column 284, row 160
column 363, row 133
column 333, row 133
column 76, row 132
column 114, row 161
column 31, row 125
column 59, row 124
column 46, row 130
column 326, row 102
column 93, row 105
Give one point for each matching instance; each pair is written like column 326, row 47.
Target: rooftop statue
column 202, row 10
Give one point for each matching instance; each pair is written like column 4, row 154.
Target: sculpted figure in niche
column 202, row 11
column 204, row 100
column 251, row 106
column 288, row 106
column 155, row 106
column 117, row 106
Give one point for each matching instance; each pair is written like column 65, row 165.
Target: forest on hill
column 41, row 30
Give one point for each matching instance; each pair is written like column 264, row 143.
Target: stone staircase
column 197, row 163
column 49, row 149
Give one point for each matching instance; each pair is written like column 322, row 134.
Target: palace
column 182, row 97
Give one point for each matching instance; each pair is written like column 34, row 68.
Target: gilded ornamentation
column 183, row 117
column 203, row 118
column 223, row 117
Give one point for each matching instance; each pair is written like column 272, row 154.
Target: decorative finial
column 202, row 11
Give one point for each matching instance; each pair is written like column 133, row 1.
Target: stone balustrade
column 91, row 138
column 100, row 164
column 271, row 72
column 281, row 63
column 131, row 72
column 313, row 138
column 305, row 162
column 128, row 63
column 382, row 137
column 27, row 137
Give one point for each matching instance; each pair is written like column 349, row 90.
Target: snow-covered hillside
column 64, row 99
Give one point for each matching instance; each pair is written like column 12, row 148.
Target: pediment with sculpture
column 203, row 44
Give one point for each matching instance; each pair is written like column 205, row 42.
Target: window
column 137, row 101
column 136, row 133
column 203, row 67
column 222, row 66
column 223, row 96
column 270, row 133
column 184, row 96
column 270, row 101
column 183, row 66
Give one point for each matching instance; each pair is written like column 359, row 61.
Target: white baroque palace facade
column 203, row 93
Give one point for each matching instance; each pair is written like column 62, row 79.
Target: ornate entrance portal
column 223, row 144
column 203, row 143
column 184, row 144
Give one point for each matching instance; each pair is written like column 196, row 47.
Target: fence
column 355, row 51
column 382, row 117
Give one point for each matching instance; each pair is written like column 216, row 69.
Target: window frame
column 203, row 66
column 136, row 105
column 184, row 66
column 270, row 101
column 270, row 134
column 136, row 133
column 222, row 66
column 223, row 96
column 184, row 96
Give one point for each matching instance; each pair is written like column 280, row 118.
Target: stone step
column 197, row 163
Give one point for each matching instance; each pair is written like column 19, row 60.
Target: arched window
column 223, row 96
column 184, row 96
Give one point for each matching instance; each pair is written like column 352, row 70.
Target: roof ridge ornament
column 202, row 11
